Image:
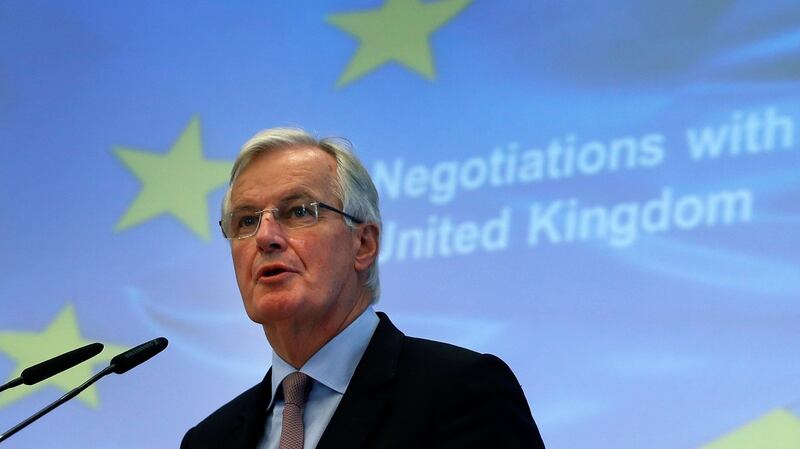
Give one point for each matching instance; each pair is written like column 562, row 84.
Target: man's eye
column 299, row 211
column 247, row 221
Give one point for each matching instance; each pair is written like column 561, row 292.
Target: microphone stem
column 71, row 394
column 11, row 384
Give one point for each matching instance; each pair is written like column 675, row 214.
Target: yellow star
column 177, row 182
column 398, row 31
column 62, row 335
column 779, row 429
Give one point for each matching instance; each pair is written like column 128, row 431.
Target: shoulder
column 229, row 421
column 423, row 358
column 459, row 366
column 233, row 409
column 479, row 401
column 444, row 356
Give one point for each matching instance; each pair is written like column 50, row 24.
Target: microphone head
column 63, row 362
column 133, row 357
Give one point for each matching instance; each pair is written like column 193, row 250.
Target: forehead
column 282, row 172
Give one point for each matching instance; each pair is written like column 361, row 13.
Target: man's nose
column 270, row 236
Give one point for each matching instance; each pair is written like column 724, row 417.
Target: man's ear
column 368, row 236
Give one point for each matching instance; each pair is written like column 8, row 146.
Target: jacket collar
column 365, row 399
column 249, row 428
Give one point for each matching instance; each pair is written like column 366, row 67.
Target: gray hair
column 352, row 186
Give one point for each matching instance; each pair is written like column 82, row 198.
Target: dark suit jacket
column 406, row 393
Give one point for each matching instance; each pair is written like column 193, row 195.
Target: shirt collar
column 334, row 364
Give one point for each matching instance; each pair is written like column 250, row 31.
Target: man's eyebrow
column 292, row 196
column 301, row 195
column 244, row 206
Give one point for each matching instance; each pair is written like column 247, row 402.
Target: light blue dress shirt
column 330, row 369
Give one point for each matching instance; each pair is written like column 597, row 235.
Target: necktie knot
column 295, row 387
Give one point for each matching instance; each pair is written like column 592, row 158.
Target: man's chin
column 271, row 310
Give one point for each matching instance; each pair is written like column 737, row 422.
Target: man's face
column 298, row 277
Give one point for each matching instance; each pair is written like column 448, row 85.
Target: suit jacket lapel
column 252, row 418
column 365, row 399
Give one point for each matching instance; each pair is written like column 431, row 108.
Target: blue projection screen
column 604, row 194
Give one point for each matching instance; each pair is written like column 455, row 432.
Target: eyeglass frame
column 274, row 210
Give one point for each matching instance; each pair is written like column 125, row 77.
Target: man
column 304, row 227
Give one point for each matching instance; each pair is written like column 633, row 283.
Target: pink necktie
column 295, row 387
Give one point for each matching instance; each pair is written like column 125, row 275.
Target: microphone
column 121, row 363
column 133, row 357
column 53, row 366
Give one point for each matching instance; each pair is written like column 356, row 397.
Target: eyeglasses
column 244, row 223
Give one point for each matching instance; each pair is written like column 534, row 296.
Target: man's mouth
column 272, row 272
column 276, row 271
